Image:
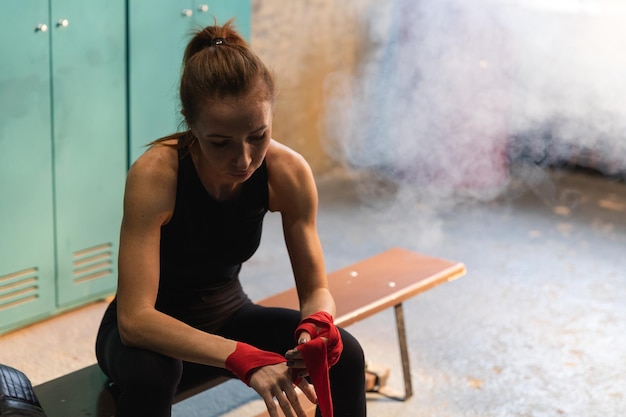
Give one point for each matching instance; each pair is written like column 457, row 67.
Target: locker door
column 158, row 33
column 89, row 138
column 241, row 10
column 26, row 210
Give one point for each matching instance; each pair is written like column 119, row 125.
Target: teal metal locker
column 69, row 98
column 89, row 138
column 158, row 34
column 26, row 211
column 63, row 154
column 156, row 40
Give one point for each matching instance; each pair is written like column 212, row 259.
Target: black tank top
column 206, row 240
column 202, row 249
column 203, row 246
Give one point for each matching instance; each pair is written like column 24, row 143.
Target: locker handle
column 63, row 23
column 187, row 12
column 42, row 27
column 203, row 8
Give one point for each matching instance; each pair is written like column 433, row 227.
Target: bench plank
column 77, row 394
column 377, row 283
column 360, row 291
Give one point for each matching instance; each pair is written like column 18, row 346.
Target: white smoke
column 447, row 91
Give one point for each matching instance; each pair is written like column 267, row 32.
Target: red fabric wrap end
column 246, row 359
column 316, row 361
column 319, row 355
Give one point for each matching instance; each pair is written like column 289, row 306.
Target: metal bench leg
column 404, row 352
column 404, row 355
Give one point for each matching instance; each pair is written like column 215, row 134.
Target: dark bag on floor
column 17, row 398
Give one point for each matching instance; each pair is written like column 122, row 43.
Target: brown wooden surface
column 360, row 290
column 83, row 393
column 378, row 283
column 80, row 393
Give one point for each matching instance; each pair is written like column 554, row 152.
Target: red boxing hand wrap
column 320, row 355
column 246, row 359
column 321, row 324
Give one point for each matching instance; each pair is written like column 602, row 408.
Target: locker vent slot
column 18, row 288
column 93, row 263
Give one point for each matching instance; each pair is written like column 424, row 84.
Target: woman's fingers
column 308, row 390
column 304, row 337
column 293, row 353
column 296, row 363
column 288, row 402
column 272, row 409
column 285, row 404
column 294, row 357
column 293, row 401
column 276, row 388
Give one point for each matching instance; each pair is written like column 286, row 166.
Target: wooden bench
column 383, row 281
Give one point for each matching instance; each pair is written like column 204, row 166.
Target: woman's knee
column 352, row 356
column 150, row 371
column 347, row 379
column 133, row 368
column 145, row 382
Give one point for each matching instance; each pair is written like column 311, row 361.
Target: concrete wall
column 305, row 42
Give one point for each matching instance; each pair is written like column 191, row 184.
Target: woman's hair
column 218, row 63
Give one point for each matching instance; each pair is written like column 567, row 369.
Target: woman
column 193, row 210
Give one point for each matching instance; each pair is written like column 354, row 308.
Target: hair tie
column 218, row 41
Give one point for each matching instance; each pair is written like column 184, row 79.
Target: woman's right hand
column 276, row 382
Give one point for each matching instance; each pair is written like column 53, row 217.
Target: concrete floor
column 536, row 328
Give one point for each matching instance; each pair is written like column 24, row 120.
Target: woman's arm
column 148, row 204
column 294, row 194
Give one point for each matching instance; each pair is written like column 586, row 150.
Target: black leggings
column 147, row 380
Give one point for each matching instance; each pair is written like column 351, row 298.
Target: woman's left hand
column 294, row 357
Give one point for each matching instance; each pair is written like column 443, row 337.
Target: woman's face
column 233, row 136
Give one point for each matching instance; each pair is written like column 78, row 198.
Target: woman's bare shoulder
column 284, row 160
column 291, row 181
column 158, row 162
column 151, row 184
